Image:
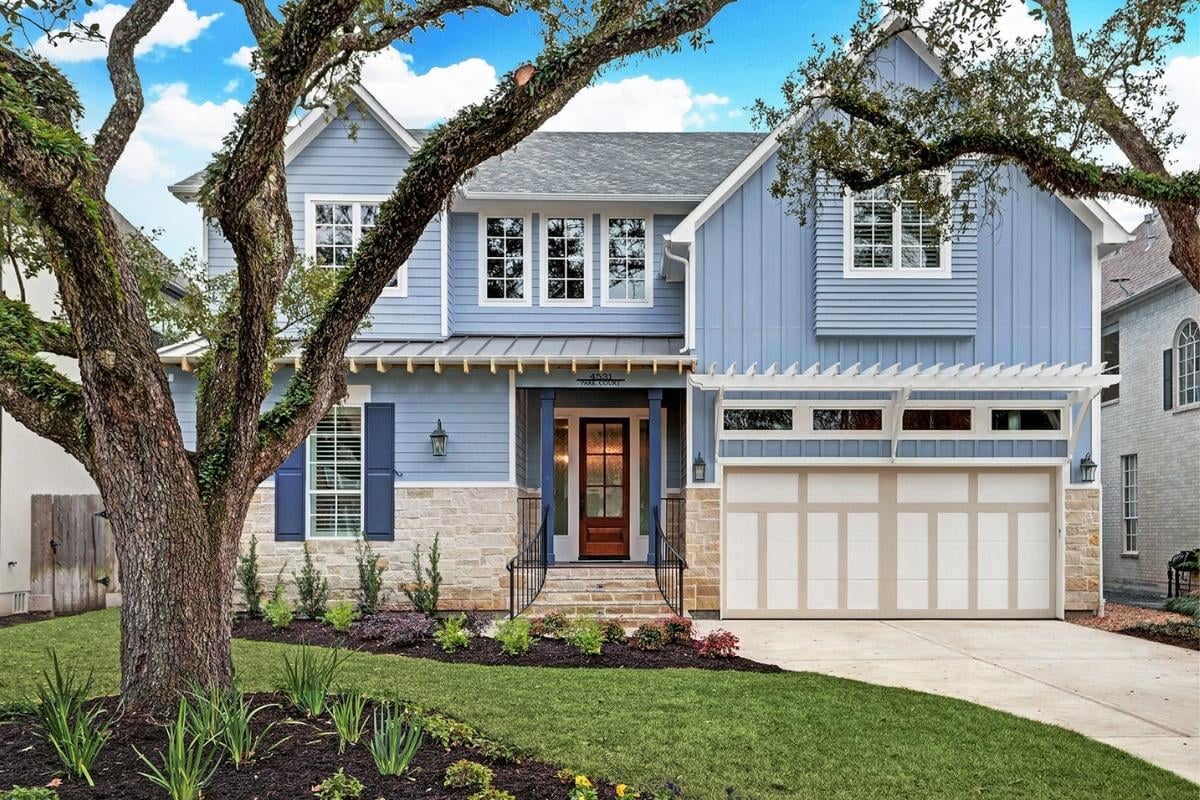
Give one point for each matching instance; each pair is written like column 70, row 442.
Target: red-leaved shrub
column 718, row 644
column 648, row 636
column 678, row 629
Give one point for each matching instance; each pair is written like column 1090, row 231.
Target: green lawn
column 786, row 735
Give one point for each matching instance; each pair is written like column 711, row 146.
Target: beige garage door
column 880, row 543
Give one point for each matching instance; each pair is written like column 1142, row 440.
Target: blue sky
column 194, row 85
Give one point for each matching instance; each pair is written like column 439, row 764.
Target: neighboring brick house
column 1150, row 464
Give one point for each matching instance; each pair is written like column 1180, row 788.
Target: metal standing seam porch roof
column 489, row 350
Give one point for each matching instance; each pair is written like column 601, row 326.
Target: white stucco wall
column 29, row 464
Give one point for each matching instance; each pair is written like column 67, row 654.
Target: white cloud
column 179, row 120
column 420, row 99
column 231, row 86
column 178, row 27
column 141, row 162
column 241, row 57
column 640, row 103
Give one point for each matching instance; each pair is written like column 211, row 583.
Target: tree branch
column 18, row 323
column 260, row 19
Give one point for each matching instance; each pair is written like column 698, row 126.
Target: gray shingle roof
column 1139, row 266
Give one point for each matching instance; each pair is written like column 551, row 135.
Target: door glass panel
column 595, row 470
column 562, row 439
column 595, row 501
column 613, row 505
column 613, row 440
column 595, row 438
column 604, row 464
column 614, row 470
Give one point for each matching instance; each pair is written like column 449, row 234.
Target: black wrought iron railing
column 669, row 562
column 527, row 569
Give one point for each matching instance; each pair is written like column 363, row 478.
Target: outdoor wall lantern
column 1087, row 468
column 438, row 439
column 699, row 470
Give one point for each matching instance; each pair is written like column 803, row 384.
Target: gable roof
column 1140, row 267
column 563, row 164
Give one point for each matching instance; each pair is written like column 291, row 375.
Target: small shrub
column 398, row 630
column 370, row 577
column 585, row 634
column 247, row 573
column 22, row 793
column 427, row 582
column 347, row 715
column 452, row 634
column 467, row 774
column 648, row 636
column 394, row 740
column 492, row 793
column 279, row 615
column 313, row 588
column 1183, row 605
column 449, row 733
column 583, row 789
column 478, row 622
column 612, row 629
column 717, row 644
column 189, row 761
column 307, row 679
column 341, row 616
column 339, row 786
column 74, row 729
column 514, row 637
column 551, row 626
column 678, row 630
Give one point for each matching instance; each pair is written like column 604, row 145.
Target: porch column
column 547, row 419
column 654, row 398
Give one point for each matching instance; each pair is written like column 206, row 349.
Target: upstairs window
column 626, row 262
column 335, row 470
column 1110, row 354
column 505, row 278
column 337, row 226
column 567, row 259
column 1187, row 357
column 889, row 238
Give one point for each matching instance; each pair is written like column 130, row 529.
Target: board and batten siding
column 473, row 408
column 370, row 162
column 467, row 316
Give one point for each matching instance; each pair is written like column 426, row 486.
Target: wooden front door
column 604, row 488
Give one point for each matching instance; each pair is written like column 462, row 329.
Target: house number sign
column 600, row 379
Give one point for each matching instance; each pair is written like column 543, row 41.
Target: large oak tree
column 178, row 512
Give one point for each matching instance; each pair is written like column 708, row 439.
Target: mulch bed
column 1164, row 627
column 485, row 650
column 305, row 755
column 21, row 619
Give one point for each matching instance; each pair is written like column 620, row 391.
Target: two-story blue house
column 618, row 371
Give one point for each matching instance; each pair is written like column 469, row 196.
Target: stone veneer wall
column 478, row 528
column 702, row 579
column 1082, row 551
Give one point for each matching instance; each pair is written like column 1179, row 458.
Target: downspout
column 687, row 277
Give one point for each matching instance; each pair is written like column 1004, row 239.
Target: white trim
column 204, row 227
column 877, row 461
column 512, row 426
column 401, row 484
column 356, row 200
column 582, row 197
column 1177, row 373
column 527, row 255
column 444, row 272
column 317, row 120
column 544, row 298
column 605, row 300
column 897, row 270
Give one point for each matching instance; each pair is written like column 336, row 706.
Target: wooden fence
column 72, row 557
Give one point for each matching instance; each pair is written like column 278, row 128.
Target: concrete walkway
column 1135, row 695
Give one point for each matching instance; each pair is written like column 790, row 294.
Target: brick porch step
column 603, row 590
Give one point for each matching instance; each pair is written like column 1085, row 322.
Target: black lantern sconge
column 699, row 470
column 438, row 439
column 1087, row 468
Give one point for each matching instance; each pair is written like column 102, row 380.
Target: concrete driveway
column 1136, row 695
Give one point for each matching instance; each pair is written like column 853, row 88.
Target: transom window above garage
column 1026, row 419
column 937, row 419
column 847, row 419
column 758, row 419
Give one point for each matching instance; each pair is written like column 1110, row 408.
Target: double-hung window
column 1187, row 357
column 504, row 267
column 627, row 279
column 335, row 228
column 335, row 474
column 566, row 261
column 889, row 237
column 1129, row 500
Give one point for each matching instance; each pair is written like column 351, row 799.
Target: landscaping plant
column 585, row 634
column 313, row 588
column 76, row 731
column 370, row 577
column 277, row 611
column 492, row 793
column 612, row 629
column 341, row 616
column 308, row 678
column 347, row 715
column 189, row 761
column 339, row 786
column 226, row 717
column 678, row 629
column 397, row 630
column 1183, row 605
column 648, row 636
column 427, row 581
column 467, row 774
column 452, row 634
column 22, row 793
column 394, row 740
column 514, row 636
column 583, row 789
column 717, row 644
column 551, row 626
column 449, row 732
column 247, row 573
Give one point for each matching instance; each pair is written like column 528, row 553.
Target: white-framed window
column 887, row 238
column 758, row 419
column 335, row 474
column 938, row 419
column 504, row 260
column 1129, row 500
column 334, row 226
column 1027, row 420
column 566, row 257
column 1187, row 364
column 626, row 254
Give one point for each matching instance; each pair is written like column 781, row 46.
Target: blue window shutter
column 379, row 461
column 289, row 498
column 1168, row 379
